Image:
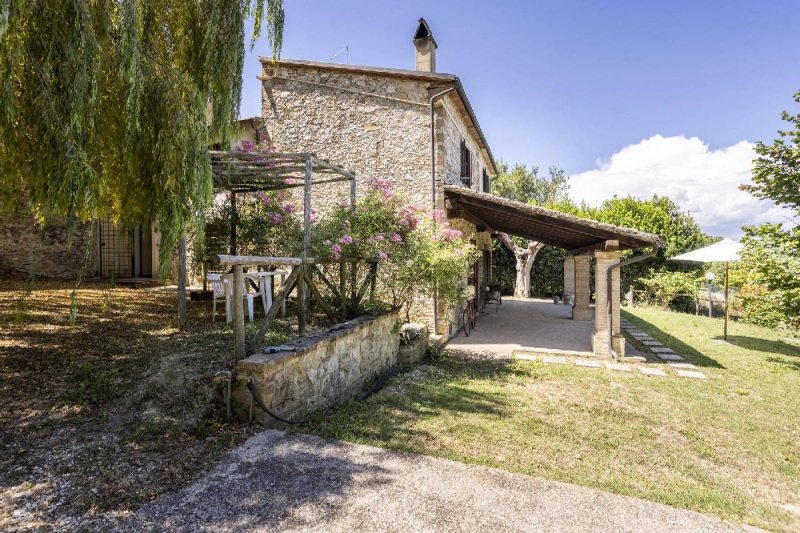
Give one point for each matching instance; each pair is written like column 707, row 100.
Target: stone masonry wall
column 49, row 252
column 374, row 137
column 326, row 368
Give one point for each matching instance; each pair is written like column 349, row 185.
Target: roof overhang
column 574, row 234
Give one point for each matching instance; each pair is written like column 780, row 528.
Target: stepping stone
column 669, row 357
column 525, row 357
column 588, row 363
column 634, row 331
column 652, row 372
column 681, row 365
column 642, row 337
column 691, row 374
column 554, row 359
column 635, row 359
column 663, row 349
column 618, row 366
column 650, row 343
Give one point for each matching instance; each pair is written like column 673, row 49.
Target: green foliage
column 417, row 251
column 664, row 288
column 548, row 269
column 659, row 215
column 104, row 105
column 776, row 173
column 771, row 267
column 525, row 185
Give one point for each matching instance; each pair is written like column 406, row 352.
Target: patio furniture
column 265, row 280
column 222, row 285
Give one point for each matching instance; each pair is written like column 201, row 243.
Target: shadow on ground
column 690, row 354
column 269, row 483
column 763, row 345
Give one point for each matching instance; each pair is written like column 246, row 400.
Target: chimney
column 425, row 46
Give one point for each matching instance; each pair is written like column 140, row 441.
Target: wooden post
column 343, row 289
column 352, row 194
column 725, row 330
column 302, row 290
column 239, row 350
column 373, row 278
column 182, row 318
column 234, row 221
column 301, row 302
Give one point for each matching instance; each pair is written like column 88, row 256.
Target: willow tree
column 104, row 105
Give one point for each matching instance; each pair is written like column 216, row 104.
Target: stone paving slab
column 554, row 359
column 691, row 374
column 588, row 363
column 681, row 365
column 618, row 366
column 651, row 343
column 669, row 357
column 652, row 372
column 525, row 357
column 661, row 350
column 280, row 482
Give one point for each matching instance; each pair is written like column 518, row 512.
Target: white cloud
column 702, row 181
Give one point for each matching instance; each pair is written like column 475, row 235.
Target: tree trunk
column 525, row 258
column 182, row 284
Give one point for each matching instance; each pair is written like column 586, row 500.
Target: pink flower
column 397, row 238
column 276, row 218
column 382, row 256
column 263, row 197
column 347, row 239
column 282, row 196
column 450, row 235
column 379, row 238
column 288, row 208
column 336, row 251
column 246, row 146
column 438, row 215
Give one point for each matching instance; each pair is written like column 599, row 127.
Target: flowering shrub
column 418, row 252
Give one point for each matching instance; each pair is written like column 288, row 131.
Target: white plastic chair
column 222, row 285
column 219, row 288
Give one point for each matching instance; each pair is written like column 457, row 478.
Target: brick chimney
column 425, row 46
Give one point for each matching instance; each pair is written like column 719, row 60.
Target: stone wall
column 326, row 368
column 47, row 252
column 372, row 136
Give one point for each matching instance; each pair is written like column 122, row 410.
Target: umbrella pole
column 725, row 333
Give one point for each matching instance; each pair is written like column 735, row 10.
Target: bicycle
column 470, row 313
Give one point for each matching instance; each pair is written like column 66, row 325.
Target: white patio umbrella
column 724, row 251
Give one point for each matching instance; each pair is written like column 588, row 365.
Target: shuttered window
column 466, row 164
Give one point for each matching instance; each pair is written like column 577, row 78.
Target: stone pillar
column 581, row 310
column 569, row 278
column 605, row 260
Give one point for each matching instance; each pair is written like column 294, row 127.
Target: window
column 487, row 183
column 466, row 164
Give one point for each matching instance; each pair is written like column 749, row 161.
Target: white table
column 264, row 281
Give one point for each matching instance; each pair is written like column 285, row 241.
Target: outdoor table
column 264, row 281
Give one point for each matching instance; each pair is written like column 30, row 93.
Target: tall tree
column 771, row 254
column 525, row 185
column 104, row 105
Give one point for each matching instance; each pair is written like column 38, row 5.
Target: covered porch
column 530, row 325
column 581, row 327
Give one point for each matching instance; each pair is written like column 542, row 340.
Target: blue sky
column 573, row 83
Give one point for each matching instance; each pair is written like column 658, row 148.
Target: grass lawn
column 728, row 446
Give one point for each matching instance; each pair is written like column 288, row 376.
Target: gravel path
column 286, row 482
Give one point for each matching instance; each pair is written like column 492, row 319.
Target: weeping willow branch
column 104, row 105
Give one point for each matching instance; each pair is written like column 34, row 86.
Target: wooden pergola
column 245, row 172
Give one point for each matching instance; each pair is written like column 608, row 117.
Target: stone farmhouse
column 417, row 128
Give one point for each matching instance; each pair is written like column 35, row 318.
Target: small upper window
column 487, row 183
column 466, row 164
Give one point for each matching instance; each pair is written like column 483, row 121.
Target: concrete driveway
column 279, row 482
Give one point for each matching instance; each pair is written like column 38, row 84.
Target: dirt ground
column 104, row 414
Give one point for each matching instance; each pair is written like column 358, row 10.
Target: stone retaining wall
column 325, row 369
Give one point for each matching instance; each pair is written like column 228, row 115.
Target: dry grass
column 110, row 412
column 725, row 446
